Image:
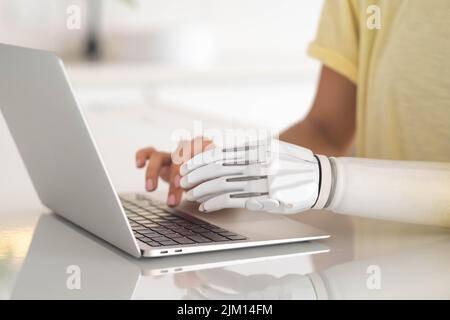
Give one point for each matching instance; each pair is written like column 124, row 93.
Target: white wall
column 242, row 30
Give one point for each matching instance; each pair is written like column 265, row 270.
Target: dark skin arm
column 328, row 129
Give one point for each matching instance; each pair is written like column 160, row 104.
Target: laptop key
column 159, row 228
column 186, row 232
column 131, row 208
column 166, row 223
column 139, row 210
column 177, row 226
column 183, row 240
column 216, row 229
column 165, row 231
column 199, row 239
column 157, row 210
column 153, row 243
column 131, row 214
column 150, row 225
column 172, row 235
column 184, row 222
column 200, row 230
column 149, row 233
column 168, row 243
column 171, row 218
column 149, row 216
column 159, row 238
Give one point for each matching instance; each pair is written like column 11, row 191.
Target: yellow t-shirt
column 402, row 71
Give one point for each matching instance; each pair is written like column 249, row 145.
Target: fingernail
column 150, row 185
column 171, row 200
column 176, row 181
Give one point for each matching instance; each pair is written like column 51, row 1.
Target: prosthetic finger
column 242, row 184
column 221, row 202
column 247, row 154
column 206, row 198
column 221, row 169
column 254, row 201
column 216, row 186
column 209, row 172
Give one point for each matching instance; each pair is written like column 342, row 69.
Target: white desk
column 412, row 261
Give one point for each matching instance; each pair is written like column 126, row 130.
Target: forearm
column 416, row 192
column 329, row 127
column 311, row 135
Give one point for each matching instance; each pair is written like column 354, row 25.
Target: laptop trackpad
column 249, row 223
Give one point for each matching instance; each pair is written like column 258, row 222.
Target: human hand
column 167, row 165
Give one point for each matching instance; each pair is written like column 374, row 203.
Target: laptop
column 58, row 245
column 67, row 171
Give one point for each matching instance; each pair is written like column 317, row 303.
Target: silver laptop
column 57, row 245
column 67, row 171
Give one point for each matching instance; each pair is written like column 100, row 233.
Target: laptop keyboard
column 153, row 224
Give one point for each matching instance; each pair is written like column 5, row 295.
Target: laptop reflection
column 66, row 262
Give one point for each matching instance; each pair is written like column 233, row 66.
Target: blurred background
column 242, row 63
column 239, row 59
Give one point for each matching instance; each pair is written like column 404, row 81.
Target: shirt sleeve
column 337, row 39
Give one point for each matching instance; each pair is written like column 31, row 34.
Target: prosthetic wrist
column 271, row 176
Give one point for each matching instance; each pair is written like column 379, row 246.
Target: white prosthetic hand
column 272, row 176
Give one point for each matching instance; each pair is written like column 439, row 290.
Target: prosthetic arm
column 279, row 177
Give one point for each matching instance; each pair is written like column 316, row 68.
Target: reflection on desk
column 65, row 262
column 411, row 274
